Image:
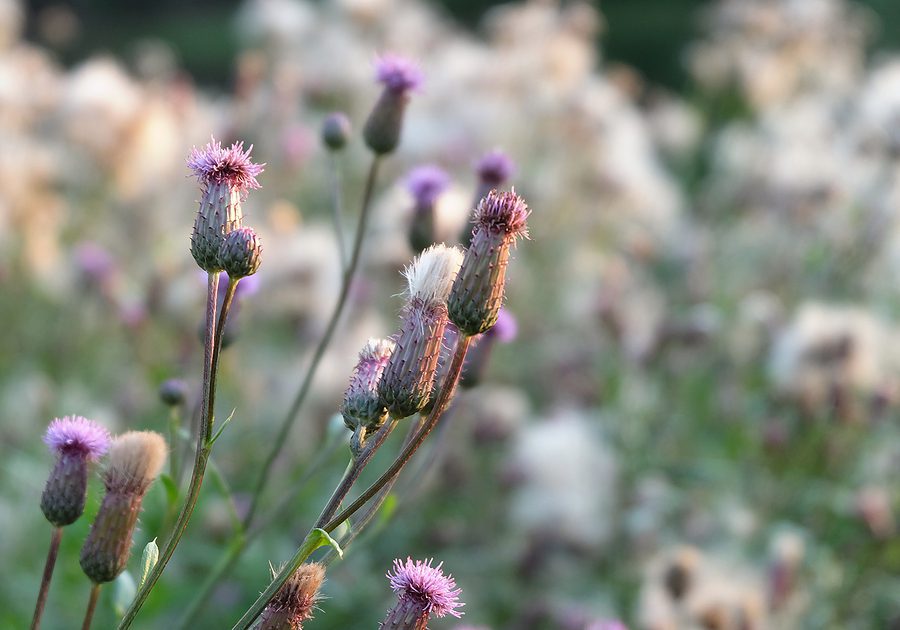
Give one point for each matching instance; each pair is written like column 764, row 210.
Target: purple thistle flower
column 75, row 434
column 426, row 587
column 397, row 73
column 426, row 183
column 503, row 212
column 495, row 168
column 231, row 166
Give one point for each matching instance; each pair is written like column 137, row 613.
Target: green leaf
column 321, row 538
column 148, row 560
column 171, row 489
column 124, row 591
column 222, row 428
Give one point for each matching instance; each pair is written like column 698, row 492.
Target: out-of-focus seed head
column 336, row 131
column 225, row 175
column 426, row 183
column 75, row 441
column 385, row 123
column 241, row 253
column 494, row 168
column 173, row 392
column 135, row 459
column 422, row 591
column 294, row 602
column 361, row 406
column 477, row 294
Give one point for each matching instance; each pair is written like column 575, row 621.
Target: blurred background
column 696, row 423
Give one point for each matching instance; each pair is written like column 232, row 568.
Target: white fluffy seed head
column 430, row 276
column 135, row 459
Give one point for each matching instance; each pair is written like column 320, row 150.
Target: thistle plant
column 399, row 76
column 494, row 169
column 295, row 601
column 135, row 460
column 219, row 243
column 76, row 442
column 423, row 591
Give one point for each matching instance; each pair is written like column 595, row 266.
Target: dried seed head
column 135, row 459
column 385, row 124
column 241, row 253
column 477, row 293
column 226, row 175
column 336, row 131
column 422, row 591
column 295, row 601
column 406, row 384
column 76, row 441
column 361, row 406
column 430, row 276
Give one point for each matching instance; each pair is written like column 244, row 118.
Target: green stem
column 444, row 396
column 213, row 343
column 91, row 607
column 288, row 422
column 310, row 544
column 175, row 442
column 52, row 554
column 243, row 539
column 440, row 405
column 353, row 471
column 337, row 205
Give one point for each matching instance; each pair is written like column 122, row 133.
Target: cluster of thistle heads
column 452, row 294
column 133, row 461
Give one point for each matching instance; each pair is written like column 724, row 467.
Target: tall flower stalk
column 218, row 243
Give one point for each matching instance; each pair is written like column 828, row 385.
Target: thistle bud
column 477, row 294
column 384, row 125
column 422, row 591
column 75, row 441
column 135, row 459
column 494, row 169
column 336, row 131
column 294, row 602
column 226, row 175
column 241, row 253
column 362, row 410
column 425, row 184
column 408, row 378
column 173, row 392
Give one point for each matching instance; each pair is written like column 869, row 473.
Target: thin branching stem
column 311, row 542
column 52, row 554
column 212, row 345
column 288, row 422
column 337, row 207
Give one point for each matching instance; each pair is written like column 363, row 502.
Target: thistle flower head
column 426, row 183
column 295, row 601
column 231, row 166
column 435, row 593
column 135, row 459
column 398, row 74
column 75, row 434
column 495, row 168
column 361, row 406
column 503, row 212
column 336, row 130
column 430, row 276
